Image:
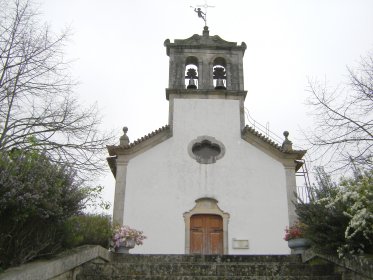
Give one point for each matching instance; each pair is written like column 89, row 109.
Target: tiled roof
column 163, row 133
column 131, row 147
column 135, row 146
column 148, row 136
column 247, row 129
column 251, row 130
column 261, row 136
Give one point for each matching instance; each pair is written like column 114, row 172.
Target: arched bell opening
column 191, row 72
column 219, row 73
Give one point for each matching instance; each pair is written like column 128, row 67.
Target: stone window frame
column 206, row 205
column 213, row 141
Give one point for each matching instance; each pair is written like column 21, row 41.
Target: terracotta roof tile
column 147, row 136
column 249, row 129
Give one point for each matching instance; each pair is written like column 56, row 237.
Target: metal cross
column 205, row 6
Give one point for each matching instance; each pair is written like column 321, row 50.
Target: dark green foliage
column 87, row 229
column 324, row 228
column 324, row 225
column 333, row 209
column 317, row 261
column 36, row 197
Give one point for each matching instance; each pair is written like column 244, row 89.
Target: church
column 206, row 183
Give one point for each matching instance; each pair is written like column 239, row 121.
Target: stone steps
column 185, row 267
column 156, row 277
column 128, row 258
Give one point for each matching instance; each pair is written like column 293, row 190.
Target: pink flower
column 123, row 233
column 294, row 231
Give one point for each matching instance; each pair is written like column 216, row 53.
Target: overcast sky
column 121, row 63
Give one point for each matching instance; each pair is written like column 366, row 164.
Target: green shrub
column 36, row 198
column 87, row 229
column 339, row 218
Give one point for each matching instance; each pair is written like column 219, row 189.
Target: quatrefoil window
column 206, row 149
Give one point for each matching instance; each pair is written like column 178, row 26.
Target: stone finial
column 205, row 32
column 124, row 140
column 287, row 145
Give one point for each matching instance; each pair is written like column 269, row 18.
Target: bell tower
column 205, row 63
column 205, row 68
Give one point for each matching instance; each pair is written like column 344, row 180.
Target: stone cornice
column 112, row 164
column 138, row 146
column 150, row 139
column 254, row 137
column 207, row 42
column 248, row 134
column 206, row 94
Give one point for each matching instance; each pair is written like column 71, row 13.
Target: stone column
column 209, row 76
column 120, row 190
column 180, row 75
column 200, row 75
column 230, row 84
column 291, row 189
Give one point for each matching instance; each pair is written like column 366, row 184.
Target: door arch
column 210, row 223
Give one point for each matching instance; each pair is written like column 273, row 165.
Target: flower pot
column 299, row 245
column 125, row 246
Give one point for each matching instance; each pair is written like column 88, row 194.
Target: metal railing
column 304, row 191
column 262, row 129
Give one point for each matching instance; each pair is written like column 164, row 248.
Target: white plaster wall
column 164, row 182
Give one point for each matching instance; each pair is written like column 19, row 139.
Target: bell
column 220, row 84
column 191, row 84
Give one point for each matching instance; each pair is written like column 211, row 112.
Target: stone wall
column 65, row 266
column 95, row 262
column 353, row 268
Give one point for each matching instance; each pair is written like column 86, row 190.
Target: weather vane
column 201, row 14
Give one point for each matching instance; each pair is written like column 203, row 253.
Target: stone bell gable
column 205, row 53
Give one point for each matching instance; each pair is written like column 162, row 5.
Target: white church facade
column 206, row 183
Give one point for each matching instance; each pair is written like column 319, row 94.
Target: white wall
column 164, row 182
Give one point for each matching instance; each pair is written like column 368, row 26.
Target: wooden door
column 206, row 234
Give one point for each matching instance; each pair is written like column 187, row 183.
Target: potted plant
column 294, row 235
column 125, row 238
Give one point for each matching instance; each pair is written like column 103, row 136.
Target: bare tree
column 343, row 134
column 37, row 106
